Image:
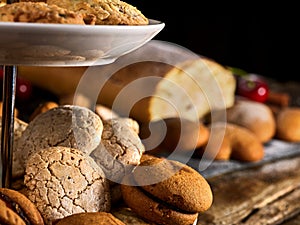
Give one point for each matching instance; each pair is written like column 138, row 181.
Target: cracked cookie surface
column 62, row 181
column 65, row 125
column 120, row 149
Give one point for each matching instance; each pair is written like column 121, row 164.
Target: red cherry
column 1, row 72
column 252, row 87
column 23, row 89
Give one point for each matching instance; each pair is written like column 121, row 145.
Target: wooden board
column 267, row 194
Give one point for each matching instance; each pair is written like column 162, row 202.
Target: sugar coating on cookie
column 106, row 12
column 62, row 181
column 120, row 149
column 66, row 125
column 38, row 12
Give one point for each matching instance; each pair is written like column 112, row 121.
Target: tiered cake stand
column 32, row 44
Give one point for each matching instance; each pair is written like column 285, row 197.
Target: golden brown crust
column 106, row 12
column 90, row 218
column 38, row 12
column 8, row 216
column 288, row 124
column 181, row 135
column 153, row 211
column 255, row 116
column 230, row 141
column 179, row 185
column 25, row 204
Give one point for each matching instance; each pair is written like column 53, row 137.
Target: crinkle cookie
column 120, row 149
column 38, row 12
column 106, row 12
column 66, row 125
column 63, row 181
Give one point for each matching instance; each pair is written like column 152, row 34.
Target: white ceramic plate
column 70, row 45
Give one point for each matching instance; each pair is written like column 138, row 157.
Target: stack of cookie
column 74, row 166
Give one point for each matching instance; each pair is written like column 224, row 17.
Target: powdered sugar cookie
column 65, row 125
column 62, row 181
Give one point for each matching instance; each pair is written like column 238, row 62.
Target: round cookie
column 120, row 149
column 38, row 12
column 155, row 211
column 288, row 124
column 109, row 12
column 174, row 183
column 62, row 181
column 66, row 125
column 255, row 116
column 166, row 191
column 92, row 218
column 16, row 208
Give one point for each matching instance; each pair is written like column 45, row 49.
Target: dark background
column 259, row 38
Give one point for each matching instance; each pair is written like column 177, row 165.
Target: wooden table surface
column 266, row 194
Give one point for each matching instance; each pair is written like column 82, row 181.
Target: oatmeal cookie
column 38, row 12
column 106, row 12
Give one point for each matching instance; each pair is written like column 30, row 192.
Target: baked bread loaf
column 62, row 181
column 166, row 192
column 165, row 90
column 38, row 12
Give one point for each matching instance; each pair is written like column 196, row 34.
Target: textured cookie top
column 38, row 12
column 175, row 183
column 106, row 12
column 121, row 148
column 67, row 125
column 62, row 181
column 92, row 218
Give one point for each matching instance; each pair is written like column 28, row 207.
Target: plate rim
column 67, row 27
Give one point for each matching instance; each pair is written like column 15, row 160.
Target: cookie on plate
column 66, row 125
column 16, row 208
column 106, row 12
column 63, row 181
column 38, row 12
